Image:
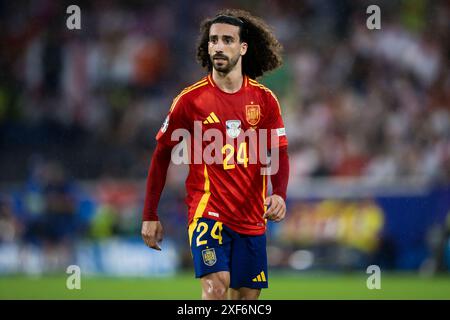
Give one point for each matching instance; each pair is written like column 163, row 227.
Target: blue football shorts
column 215, row 247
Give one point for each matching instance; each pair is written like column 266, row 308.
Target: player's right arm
column 152, row 230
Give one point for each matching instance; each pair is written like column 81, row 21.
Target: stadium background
column 367, row 113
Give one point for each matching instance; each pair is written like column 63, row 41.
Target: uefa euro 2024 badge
column 233, row 128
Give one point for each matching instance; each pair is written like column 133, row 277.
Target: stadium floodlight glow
column 301, row 259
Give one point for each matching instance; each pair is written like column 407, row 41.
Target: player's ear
column 244, row 47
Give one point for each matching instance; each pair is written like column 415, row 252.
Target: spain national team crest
column 252, row 114
column 233, row 128
column 209, row 256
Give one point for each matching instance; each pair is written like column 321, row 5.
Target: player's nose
column 219, row 46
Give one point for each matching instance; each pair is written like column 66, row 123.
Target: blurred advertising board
column 397, row 226
column 109, row 257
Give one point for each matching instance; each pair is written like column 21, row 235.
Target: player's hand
column 152, row 233
column 277, row 208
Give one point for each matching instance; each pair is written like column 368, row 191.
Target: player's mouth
column 220, row 59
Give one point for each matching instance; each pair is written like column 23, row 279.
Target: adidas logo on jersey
column 260, row 277
column 212, row 118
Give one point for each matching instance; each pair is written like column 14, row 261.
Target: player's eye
column 213, row 40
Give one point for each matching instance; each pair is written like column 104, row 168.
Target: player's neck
column 230, row 82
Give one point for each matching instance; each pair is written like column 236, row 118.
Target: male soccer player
column 227, row 200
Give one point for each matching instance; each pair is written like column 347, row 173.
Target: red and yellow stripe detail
column 259, row 85
column 201, row 205
column 264, row 194
column 196, row 85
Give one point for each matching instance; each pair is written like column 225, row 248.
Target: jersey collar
column 244, row 84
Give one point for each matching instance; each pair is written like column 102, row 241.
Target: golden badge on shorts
column 252, row 114
column 209, row 256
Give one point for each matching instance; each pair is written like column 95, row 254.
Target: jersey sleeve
column 177, row 118
column 276, row 132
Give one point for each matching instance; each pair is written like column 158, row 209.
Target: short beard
column 225, row 69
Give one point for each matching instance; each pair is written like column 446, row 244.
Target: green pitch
column 184, row 286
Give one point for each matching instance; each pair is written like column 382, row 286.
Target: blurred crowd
column 356, row 102
column 85, row 105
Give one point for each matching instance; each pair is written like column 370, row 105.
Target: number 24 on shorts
column 216, row 232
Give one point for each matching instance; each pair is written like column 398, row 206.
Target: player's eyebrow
column 224, row 37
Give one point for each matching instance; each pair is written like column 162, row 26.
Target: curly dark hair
column 263, row 52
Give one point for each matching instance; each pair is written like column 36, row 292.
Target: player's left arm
column 278, row 145
column 277, row 201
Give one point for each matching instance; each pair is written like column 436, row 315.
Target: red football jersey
column 228, row 186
